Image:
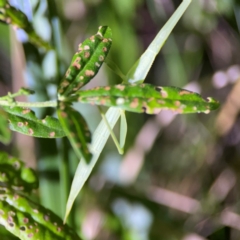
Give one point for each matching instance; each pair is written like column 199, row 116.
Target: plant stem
column 28, row 104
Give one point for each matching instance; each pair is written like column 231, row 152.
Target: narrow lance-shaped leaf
column 29, row 220
column 86, row 62
column 138, row 72
column 76, row 130
column 23, row 120
column 148, row 98
column 19, row 215
column 17, row 18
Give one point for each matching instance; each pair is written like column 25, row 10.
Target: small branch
column 29, row 104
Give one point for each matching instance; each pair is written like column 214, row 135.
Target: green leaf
column 123, row 129
column 5, row 133
column 86, row 62
column 14, row 174
column 18, row 214
column 137, row 73
column 23, row 120
column 148, row 98
column 76, row 130
column 84, row 169
column 17, row 18
column 29, row 220
column 141, row 67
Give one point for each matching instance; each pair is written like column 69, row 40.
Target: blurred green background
column 179, row 176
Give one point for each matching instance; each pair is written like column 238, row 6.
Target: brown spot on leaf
column 164, row 94
column 9, row 219
column 76, row 65
column 103, row 101
column 86, row 47
column 63, row 114
column 25, row 111
column 46, row 217
column 89, row 73
column 87, row 54
column 134, row 103
column 179, row 110
column 25, row 220
column 77, row 60
column 120, row 87
column 161, row 102
column 30, row 235
column 20, row 124
column 16, row 197
column 67, row 73
column 52, row 134
column 92, row 38
column 101, row 58
column 177, row 103
column 104, row 49
column 184, row 92
column 105, row 40
column 30, row 131
column 80, row 84
column 107, row 88
column 65, row 83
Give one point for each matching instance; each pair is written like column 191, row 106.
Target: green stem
column 28, row 104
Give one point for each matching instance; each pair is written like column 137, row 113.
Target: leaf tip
column 214, row 104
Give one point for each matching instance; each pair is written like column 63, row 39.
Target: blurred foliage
column 179, row 177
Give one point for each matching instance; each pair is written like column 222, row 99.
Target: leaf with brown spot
column 18, row 214
column 18, row 19
column 27, row 223
column 86, row 62
column 147, row 98
column 25, row 121
column 76, row 130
